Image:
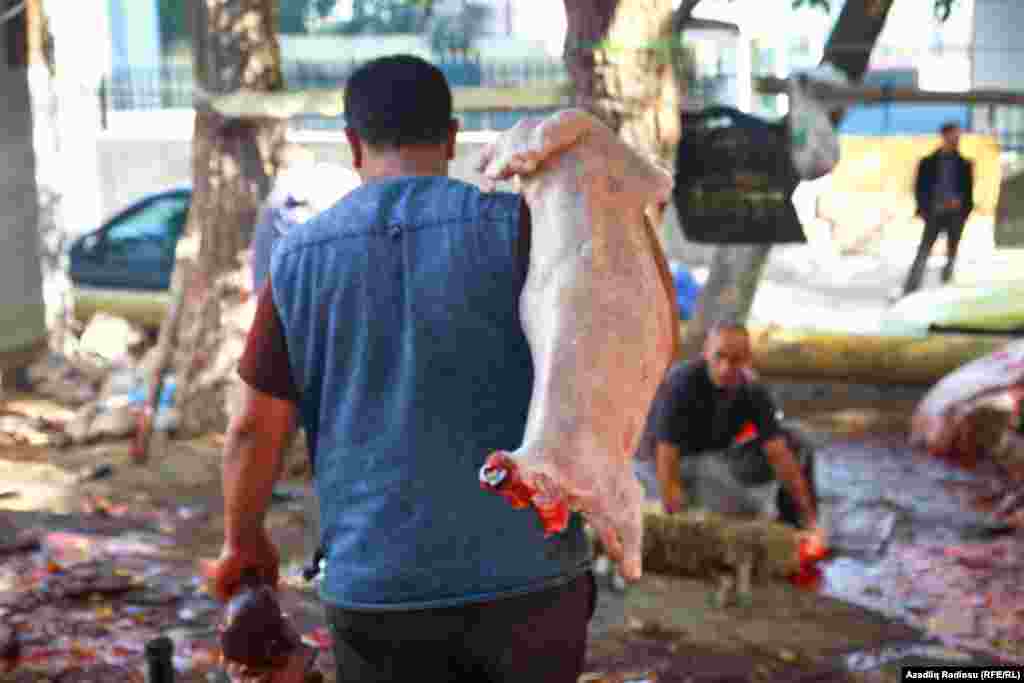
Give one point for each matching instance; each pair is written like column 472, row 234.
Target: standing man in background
column 944, row 190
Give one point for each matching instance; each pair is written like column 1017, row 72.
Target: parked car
column 124, row 266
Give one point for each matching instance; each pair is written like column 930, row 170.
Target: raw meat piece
column 598, row 312
column 256, row 635
column 254, row 632
column 964, row 416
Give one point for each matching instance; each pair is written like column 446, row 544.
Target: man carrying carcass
column 390, row 329
column 719, row 444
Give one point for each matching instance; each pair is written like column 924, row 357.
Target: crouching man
column 718, row 443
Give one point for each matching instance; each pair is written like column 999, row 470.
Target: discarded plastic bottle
column 159, row 665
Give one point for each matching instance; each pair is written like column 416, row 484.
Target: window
column 152, row 230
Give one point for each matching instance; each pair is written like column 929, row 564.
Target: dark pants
column 540, row 637
column 952, row 224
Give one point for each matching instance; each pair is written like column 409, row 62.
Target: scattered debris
column 82, row 607
column 10, row 647
column 109, row 338
column 96, row 473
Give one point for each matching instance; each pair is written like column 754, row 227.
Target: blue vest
column 400, row 306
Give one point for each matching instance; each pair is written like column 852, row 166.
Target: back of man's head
column 399, row 100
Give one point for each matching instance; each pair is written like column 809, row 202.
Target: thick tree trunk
column 234, row 46
column 233, row 161
column 22, row 311
column 619, row 55
column 736, row 271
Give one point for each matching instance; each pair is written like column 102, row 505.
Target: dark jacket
column 927, row 176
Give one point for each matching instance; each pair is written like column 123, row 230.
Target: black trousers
column 540, row 637
column 950, row 223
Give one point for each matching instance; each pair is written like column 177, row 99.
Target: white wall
column 998, row 57
column 135, row 33
column 334, row 49
column 83, row 57
column 151, row 151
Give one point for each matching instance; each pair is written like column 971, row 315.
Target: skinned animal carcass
column 598, row 311
column 969, row 414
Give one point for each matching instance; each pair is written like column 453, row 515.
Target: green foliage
column 173, row 26
column 379, row 16
column 456, row 33
column 943, row 8
column 404, row 16
column 292, row 16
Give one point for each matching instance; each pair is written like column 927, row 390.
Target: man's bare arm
column 788, row 471
column 252, row 461
column 670, row 483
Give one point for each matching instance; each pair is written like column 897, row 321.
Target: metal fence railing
column 171, row 86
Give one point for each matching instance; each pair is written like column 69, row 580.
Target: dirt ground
column 157, row 525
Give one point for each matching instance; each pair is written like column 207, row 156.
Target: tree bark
column 736, row 270
column 233, row 160
column 234, row 47
column 22, row 313
column 619, row 56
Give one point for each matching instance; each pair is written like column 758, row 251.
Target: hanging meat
column 597, row 310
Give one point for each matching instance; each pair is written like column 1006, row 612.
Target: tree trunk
column 22, row 309
column 233, row 160
column 619, row 55
column 234, row 47
column 736, row 270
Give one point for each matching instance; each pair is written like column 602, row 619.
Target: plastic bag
column 734, row 180
column 814, row 143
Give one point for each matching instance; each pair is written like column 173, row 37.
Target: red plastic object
column 747, row 433
column 810, row 551
column 501, row 476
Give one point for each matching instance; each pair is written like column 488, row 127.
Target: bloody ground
column 98, row 554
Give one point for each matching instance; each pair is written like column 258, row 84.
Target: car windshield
column 158, row 223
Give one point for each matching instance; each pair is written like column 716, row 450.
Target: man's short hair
column 398, row 100
column 949, row 126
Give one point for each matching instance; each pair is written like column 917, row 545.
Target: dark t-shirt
column 694, row 414
column 265, row 365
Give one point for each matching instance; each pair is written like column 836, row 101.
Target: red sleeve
column 264, row 364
